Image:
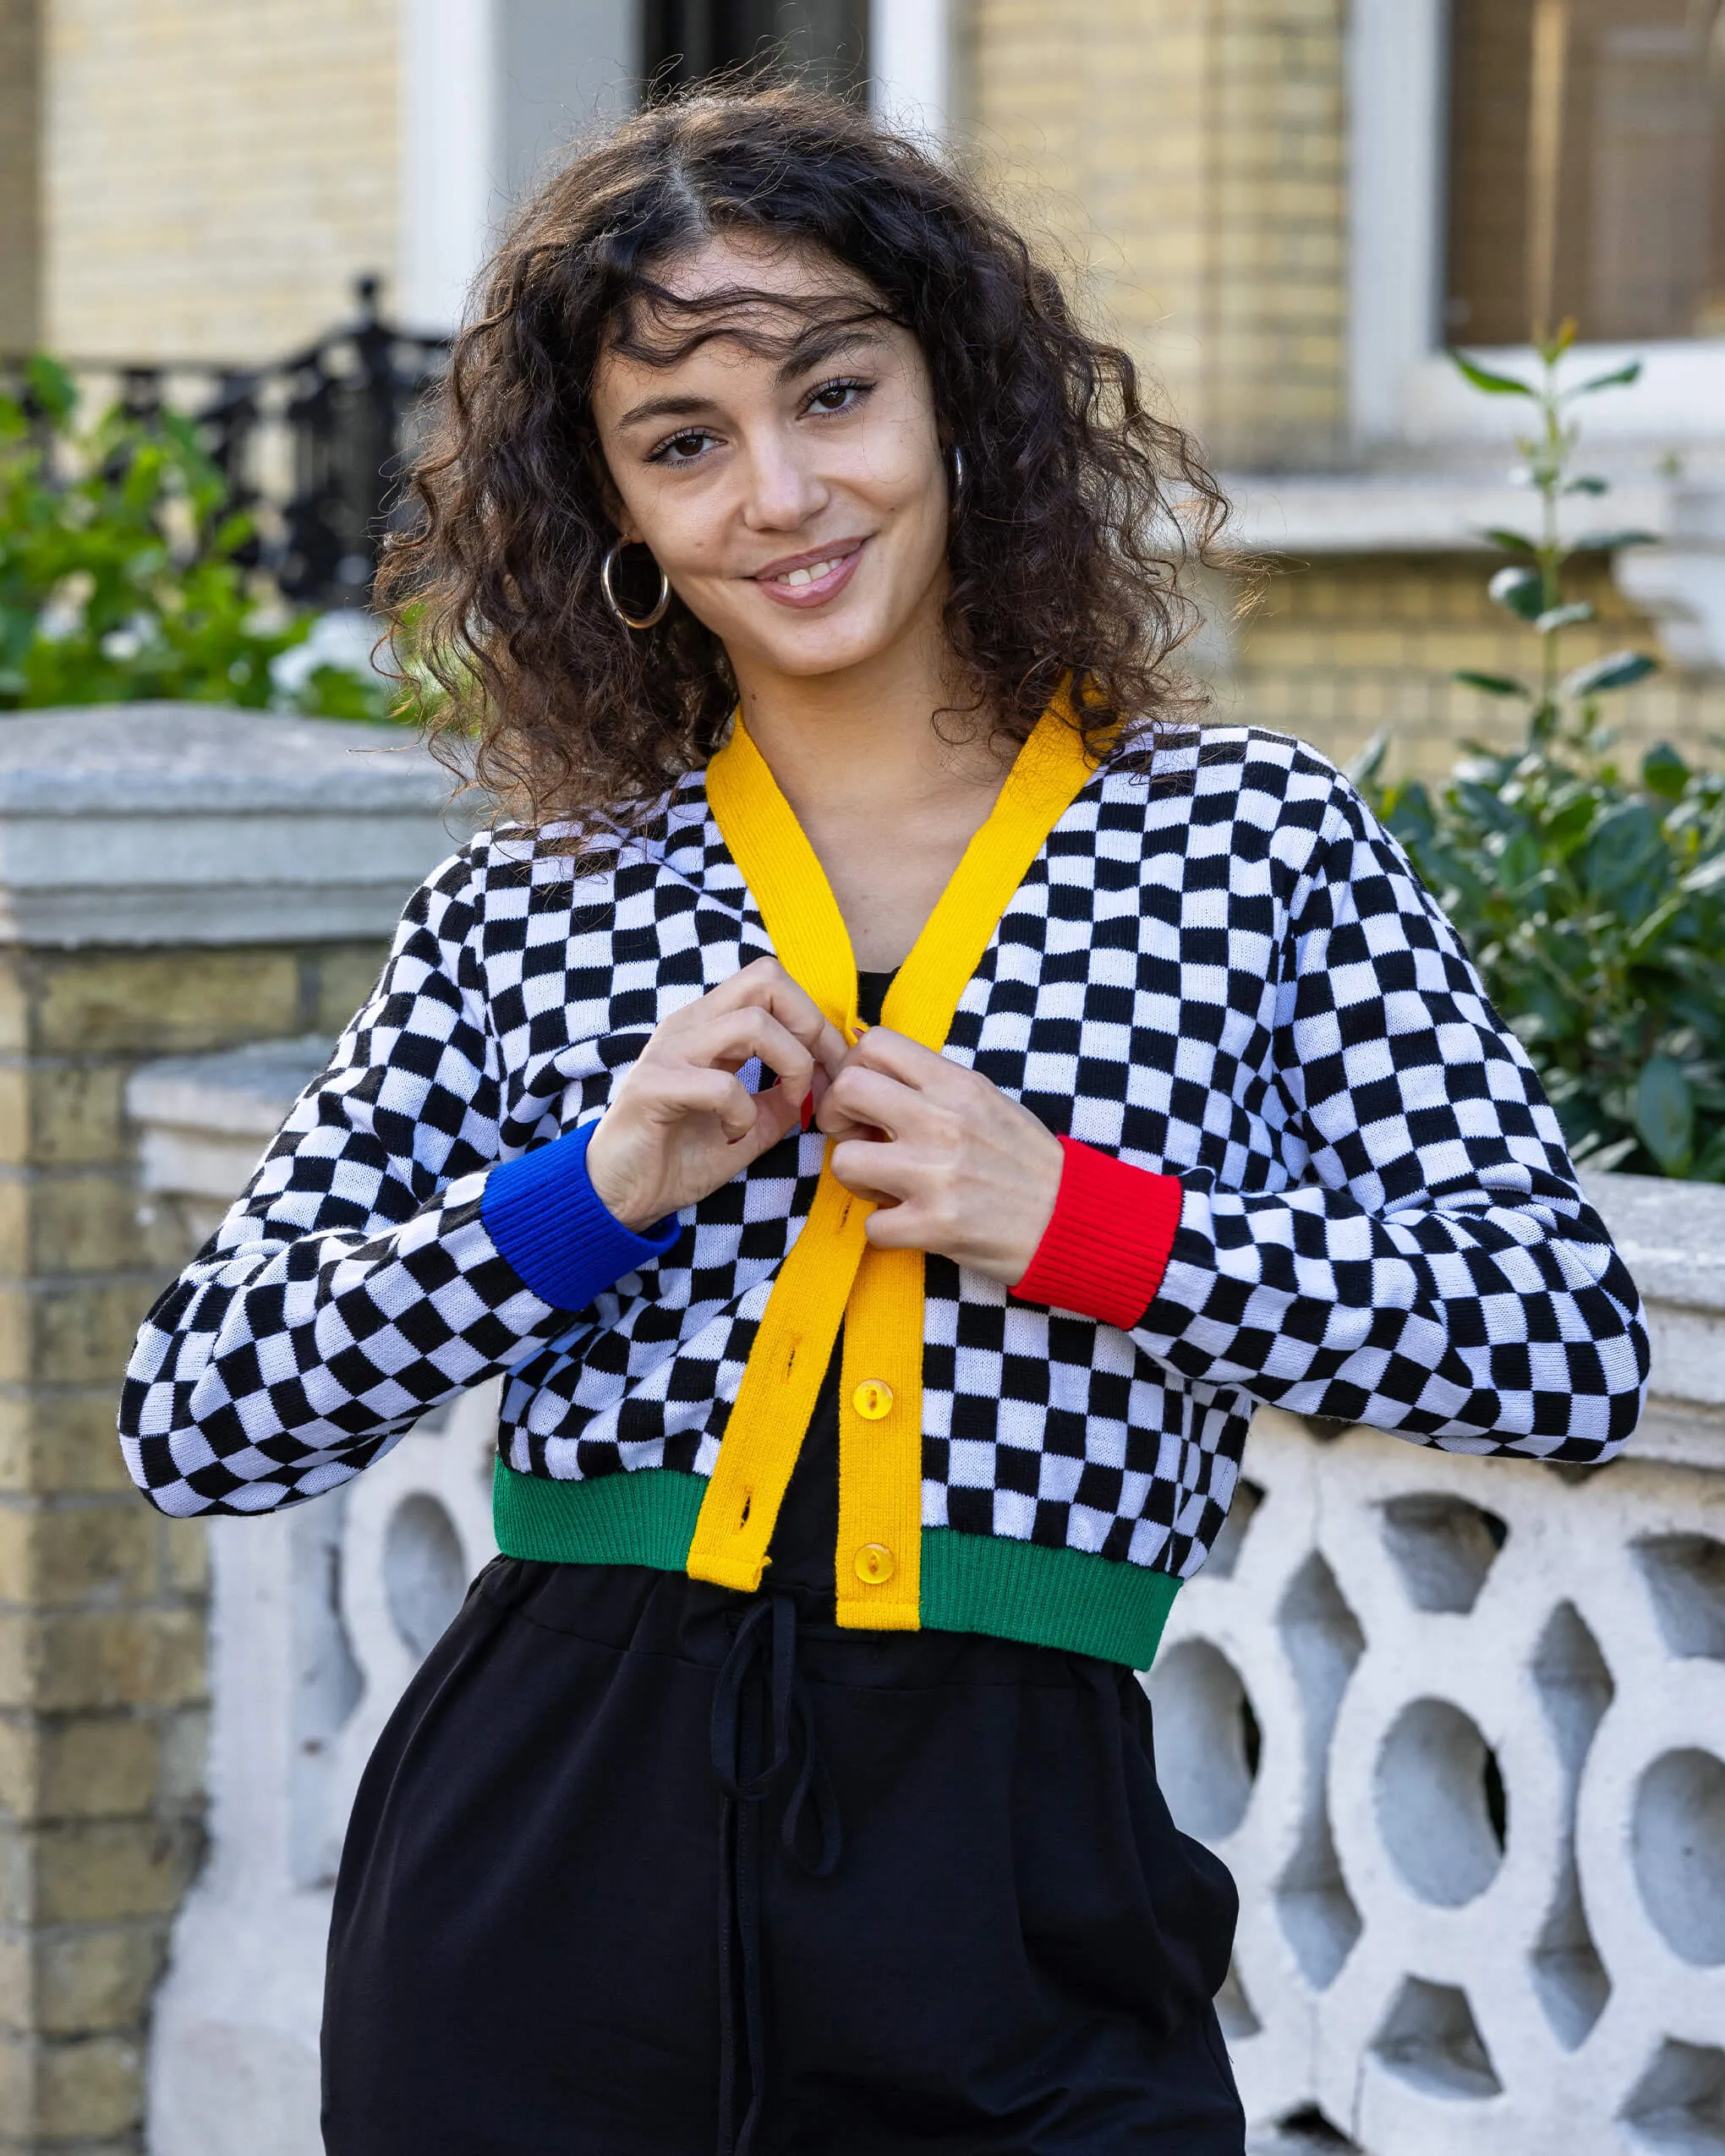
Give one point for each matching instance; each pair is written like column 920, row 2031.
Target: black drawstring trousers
column 765, row 1641
column 644, row 1867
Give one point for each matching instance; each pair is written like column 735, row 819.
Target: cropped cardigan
column 1306, row 1163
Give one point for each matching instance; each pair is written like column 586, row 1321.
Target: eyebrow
column 809, row 351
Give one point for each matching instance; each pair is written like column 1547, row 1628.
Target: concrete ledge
column 195, row 823
column 1413, row 512
column 207, row 1119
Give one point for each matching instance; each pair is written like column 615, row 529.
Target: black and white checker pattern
column 1225, row 970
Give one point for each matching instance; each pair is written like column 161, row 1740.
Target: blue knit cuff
column 545, row 1216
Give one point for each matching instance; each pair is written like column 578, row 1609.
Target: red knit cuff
column 1104, row 1250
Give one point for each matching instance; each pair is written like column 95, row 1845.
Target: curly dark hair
column 1079, row 509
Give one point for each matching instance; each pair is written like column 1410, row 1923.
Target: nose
column 783, row 492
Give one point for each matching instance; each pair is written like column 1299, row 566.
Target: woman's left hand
column 953, row 1165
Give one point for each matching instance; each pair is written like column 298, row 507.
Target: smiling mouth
column 811, row 579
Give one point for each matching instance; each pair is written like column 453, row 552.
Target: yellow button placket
column 832, row 1272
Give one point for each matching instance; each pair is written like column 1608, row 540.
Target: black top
column 806, row 1535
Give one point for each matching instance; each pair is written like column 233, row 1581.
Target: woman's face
column 796, row 499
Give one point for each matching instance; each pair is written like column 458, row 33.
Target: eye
column 680, row 449
column 843, row 396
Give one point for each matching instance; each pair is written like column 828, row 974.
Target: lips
column 811, row 578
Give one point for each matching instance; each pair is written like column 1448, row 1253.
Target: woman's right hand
column 681, row 1123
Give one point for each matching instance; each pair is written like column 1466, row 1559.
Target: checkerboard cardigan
column 1225, row 972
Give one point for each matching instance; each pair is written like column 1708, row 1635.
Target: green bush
column 1593, row 901
column 122, row 569
column 1592, row 897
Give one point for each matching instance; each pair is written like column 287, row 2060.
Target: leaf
column 1619, row 378
column 1609, row 542
column 1555, row 347
column 1709, row 876
column 1654, row 927
column 1564, row 617
column 1617, row 669
column 1587, row 483
column 1600, row 1159
column 1484, row 807
column 1664, row 772
column 1521, row 590
column 1407, row 813
column 51, row 387
column 1500, row 535
column 1369, row 763
column 1492, row 385
column 1664, row 1113
column 1626, row 864
column 1492, row 684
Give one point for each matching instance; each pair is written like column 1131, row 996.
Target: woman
column 786, row 1785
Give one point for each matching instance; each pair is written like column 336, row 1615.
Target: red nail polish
column 807, row 1109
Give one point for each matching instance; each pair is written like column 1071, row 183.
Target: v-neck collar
column 802, row 917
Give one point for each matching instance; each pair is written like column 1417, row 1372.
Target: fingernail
column 807, row 1109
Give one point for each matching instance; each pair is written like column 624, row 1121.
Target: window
column 1586, row 145
column 685, row 40
column 1488, row 183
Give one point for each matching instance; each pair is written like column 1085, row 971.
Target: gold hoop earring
column 630, row 621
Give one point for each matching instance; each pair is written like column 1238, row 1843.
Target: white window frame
column 456, row 157
column 910, row 66
column 1405, row 393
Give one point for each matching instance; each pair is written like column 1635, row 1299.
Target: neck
column 868, row 737
column 887, row 805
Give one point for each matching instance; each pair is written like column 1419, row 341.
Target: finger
column 676, row 1090
column 728, row 1039
column 858, row 1096
column 871, row 1169
column 776, row 1114
column 896, row 1055
column 816, row 1094
column 897, row 1227
column 765, row 985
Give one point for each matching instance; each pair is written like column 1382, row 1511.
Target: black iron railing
column 312, row 446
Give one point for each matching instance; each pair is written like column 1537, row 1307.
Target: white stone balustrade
column 1458, row 1726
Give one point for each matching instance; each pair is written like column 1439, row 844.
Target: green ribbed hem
column 971, row 1583
column 1046, row 1597
column 644, row 1518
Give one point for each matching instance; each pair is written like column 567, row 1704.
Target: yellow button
column 875, row 1563
column 872, row 1399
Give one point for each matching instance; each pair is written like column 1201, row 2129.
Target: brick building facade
column 1251, row 191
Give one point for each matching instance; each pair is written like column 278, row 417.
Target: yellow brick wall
column 1190, row 154
column 215, row 174
column 1340, row 648
column 102, row 1601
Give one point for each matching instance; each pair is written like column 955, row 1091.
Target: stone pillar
column 173, row 879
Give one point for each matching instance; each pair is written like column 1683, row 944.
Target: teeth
column 813, row 574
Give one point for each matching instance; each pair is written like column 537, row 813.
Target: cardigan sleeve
column 1435, row 1270
column 379, row 1261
